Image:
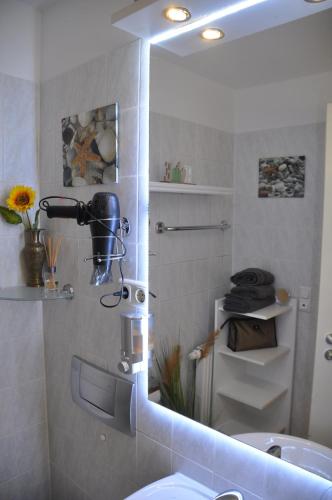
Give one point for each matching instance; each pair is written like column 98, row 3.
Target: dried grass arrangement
column 172, row 393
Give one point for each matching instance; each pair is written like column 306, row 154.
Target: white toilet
column 180, row 487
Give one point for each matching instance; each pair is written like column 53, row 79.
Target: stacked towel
column 253, row 276
column 236, row 303
column 253, row 291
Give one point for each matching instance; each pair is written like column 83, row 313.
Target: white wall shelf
column 30, row 294
column 266, row 313
column 260, row 357
column 251, row 391
column 171, row 187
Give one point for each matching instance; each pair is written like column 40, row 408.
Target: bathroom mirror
column 227, row 124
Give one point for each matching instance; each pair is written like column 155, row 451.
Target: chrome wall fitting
column 161, row 227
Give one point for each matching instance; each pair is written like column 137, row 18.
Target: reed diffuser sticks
column 52, row 248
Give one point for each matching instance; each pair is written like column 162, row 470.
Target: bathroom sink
column 175, row 487
column 308, row 455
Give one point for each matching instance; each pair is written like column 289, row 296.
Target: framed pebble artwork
column 281, row 177
column 90, row 147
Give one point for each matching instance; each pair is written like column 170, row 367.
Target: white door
column 320, row 428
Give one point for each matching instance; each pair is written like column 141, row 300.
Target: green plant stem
column 29, row 220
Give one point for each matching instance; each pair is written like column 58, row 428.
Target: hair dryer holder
column 120, row 251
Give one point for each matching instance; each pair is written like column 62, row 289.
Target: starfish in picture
column 84, row 154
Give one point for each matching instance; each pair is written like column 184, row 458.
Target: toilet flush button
column 328, row 338
column 328, row 355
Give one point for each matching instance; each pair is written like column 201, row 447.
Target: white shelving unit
column 260, row 357
column 233, row 427
column 171, row 187
column 266, row 313
column 252, row 389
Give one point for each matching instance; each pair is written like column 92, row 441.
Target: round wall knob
column 328, row 338
column 124, row 366
column 328, row 355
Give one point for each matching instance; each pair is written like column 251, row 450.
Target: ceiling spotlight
column 203, row 21
column 212, row 34
column 177, row 14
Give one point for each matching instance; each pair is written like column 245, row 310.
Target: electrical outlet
column 136, row 292
column 140, row 295
column 127, row 292
column 305, row 305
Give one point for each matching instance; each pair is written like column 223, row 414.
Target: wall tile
column 154, row 421
column 6, row 365
column 189, row 442
column 154, row 460
column 128, row 142
column 240, row 467
column 28, row 486
column 7, row 409
column 284, row 481
column 23, row 449
column 63, row 488
column 29, row 404
column 1, row 152
column 28, row 358
column 31, row 448
column 191, row 469
column 7, row 459
column 282, row 235
column 123, row 76
column 22, row 93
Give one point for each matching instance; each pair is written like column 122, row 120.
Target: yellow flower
column 21, row 198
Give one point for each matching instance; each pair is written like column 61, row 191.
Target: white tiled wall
column 83, row 466
column 189, row 269
column 208, row 150
column 23, row 430
column 283, row 235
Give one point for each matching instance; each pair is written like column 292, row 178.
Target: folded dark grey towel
column 254, row 291
column 235, row 303
column 253, row 276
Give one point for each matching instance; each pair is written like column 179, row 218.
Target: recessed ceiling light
column 212, row 34
column 314, row 1
column 204, row 21
column 177, row 14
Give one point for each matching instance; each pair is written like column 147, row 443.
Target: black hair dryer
column 102, row 214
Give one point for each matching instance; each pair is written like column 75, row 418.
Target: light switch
column 304, row 292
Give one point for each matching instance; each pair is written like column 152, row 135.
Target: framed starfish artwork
column 90, row 147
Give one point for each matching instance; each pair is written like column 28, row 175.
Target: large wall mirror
column 236, row 180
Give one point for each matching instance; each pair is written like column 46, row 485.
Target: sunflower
column 21, row 198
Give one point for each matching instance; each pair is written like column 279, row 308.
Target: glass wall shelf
column 26, row 293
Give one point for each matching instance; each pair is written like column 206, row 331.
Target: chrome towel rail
column 162, row 228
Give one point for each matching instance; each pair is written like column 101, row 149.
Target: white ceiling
column 292, row 50
column 144, row 19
